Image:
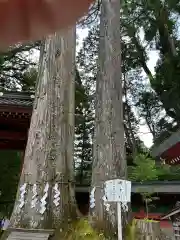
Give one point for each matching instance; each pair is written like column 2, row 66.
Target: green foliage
column 84, row 123
column 80, row 229
column 144, row 169
column 132, row 231
column 168, row 173
column 15, row 66
column 158, row 21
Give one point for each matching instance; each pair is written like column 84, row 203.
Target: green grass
column 81, row 230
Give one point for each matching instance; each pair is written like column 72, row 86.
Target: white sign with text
column 119, row 191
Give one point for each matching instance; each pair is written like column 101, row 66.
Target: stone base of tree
column 26, row 234
column 148, row 230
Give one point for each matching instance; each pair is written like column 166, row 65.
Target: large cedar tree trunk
column 49, row 151
column 109, row 154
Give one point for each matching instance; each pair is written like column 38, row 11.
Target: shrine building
column 168, row 150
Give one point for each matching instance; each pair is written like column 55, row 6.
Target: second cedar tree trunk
column 109, row 154
column 49, row 151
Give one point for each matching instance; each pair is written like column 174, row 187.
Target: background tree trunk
column 109, row 154
column 49, row 152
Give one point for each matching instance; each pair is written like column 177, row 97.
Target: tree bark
column 49, row 151
column 109, row 146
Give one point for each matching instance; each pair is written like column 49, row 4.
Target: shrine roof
column 171, row 213
column 15, row 116
column 21, row 99
column 169, row 149
column 169, row 142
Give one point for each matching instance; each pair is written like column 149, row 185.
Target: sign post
column 119, row 191
column 119, row 221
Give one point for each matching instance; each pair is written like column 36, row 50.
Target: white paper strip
column 124, row 206
column 92, row 198
column 106, row 204
column 34, row 196
column 56, row 195
column 43, row 199
column 22, row 195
